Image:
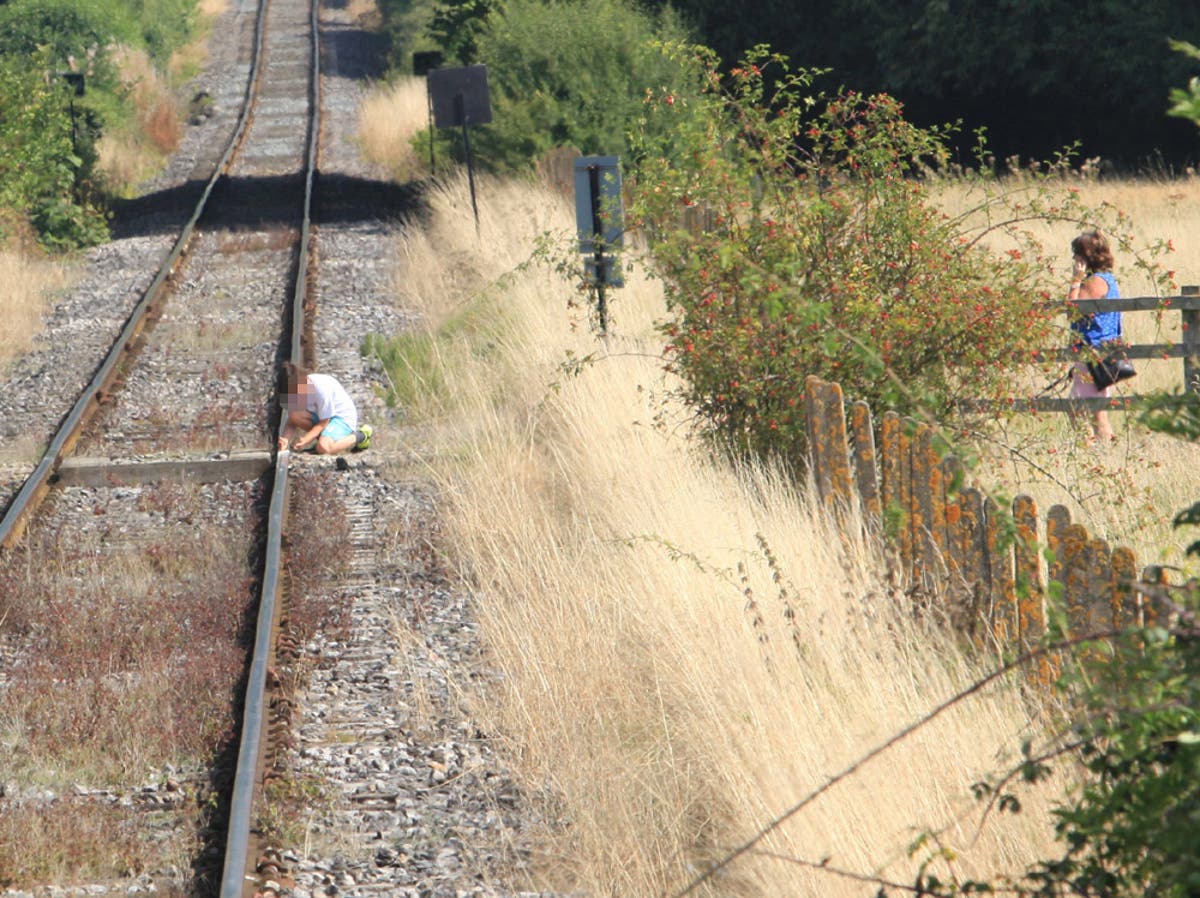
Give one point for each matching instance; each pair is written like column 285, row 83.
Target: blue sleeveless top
column 1102, row 326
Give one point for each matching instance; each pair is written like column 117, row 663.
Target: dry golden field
column 131, row 153
column 1128, row 492
column 387, row 121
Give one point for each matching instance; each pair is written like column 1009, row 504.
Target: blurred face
column 295, row 401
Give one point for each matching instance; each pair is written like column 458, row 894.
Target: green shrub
column 48, row 136
column 569, row 74
column 456, row 26
column 1186, row 100
column 67, row 34
column 164, row 25
column 823, row 253
column 41, row 158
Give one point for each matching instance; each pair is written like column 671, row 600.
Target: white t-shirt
column 328, row 399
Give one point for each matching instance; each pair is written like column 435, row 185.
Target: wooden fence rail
column 951, row 542
column 1187, row 304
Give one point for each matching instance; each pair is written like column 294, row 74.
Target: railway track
column 126, row 654
column 144, row 574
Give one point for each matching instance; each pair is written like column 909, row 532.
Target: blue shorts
column 336, row 429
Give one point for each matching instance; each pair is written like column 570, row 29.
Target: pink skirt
column 1082, row 386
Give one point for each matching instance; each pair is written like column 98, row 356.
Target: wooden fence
column 952, row 543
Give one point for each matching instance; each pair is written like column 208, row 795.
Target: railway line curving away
column 378, row 781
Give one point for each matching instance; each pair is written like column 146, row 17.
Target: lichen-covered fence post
column 1031, row 613
column 954, row 543
column 1001, row 584
column 866, row 466
column 828, row 449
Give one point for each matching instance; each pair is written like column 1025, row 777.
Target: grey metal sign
column 599, row 219
column 598, row 209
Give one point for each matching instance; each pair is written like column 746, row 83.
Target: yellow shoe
column 363, row 433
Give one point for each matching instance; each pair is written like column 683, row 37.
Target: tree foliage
column 40, row 162
column 573, row 73
column 1186, row 100
column 48, row 132
column 1132, row 829
column 456, row 26
column 1038, row 73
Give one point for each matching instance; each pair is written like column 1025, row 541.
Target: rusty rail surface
column 244, row 871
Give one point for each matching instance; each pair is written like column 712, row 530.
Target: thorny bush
column 822, row 251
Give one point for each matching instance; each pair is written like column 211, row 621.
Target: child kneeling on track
column 321, row 415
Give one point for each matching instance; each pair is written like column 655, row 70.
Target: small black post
column 429, row 105
column 462, row 117
column 74, row 129
column 75, row 81
column 424, row 62
column 598, row 246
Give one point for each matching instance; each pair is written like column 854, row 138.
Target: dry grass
column 686, row 650
column 365, row 12
column 30, row 282
column 389, row 117
column 130, row 154
column 104, row 633
column 188, row 61
column 131, row 645
column 244, row 240
column 83, row 839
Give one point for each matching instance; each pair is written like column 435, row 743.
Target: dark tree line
column 1038, row 74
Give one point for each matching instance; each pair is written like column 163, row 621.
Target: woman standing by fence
column 1092, row 278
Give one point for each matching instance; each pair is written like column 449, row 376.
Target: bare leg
column 1081, row 387
column 326, row 446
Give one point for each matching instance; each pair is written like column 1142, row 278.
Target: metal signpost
column 424, row 63
column 76, row 83
column 460, row 97
column 599, row 219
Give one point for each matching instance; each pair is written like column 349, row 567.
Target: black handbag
column 1111, row 369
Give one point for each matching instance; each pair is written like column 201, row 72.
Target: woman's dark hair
column 1093, row 247
column 293, row 376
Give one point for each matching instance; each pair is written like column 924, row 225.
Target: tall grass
column 388, row 119
column 30, row 281
column 137, row 146
column 686, row 650
column 187, row 61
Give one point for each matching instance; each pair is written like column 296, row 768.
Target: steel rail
column 239, row 872
column 12, row 525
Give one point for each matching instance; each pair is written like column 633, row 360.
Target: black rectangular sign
column 460, row 96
